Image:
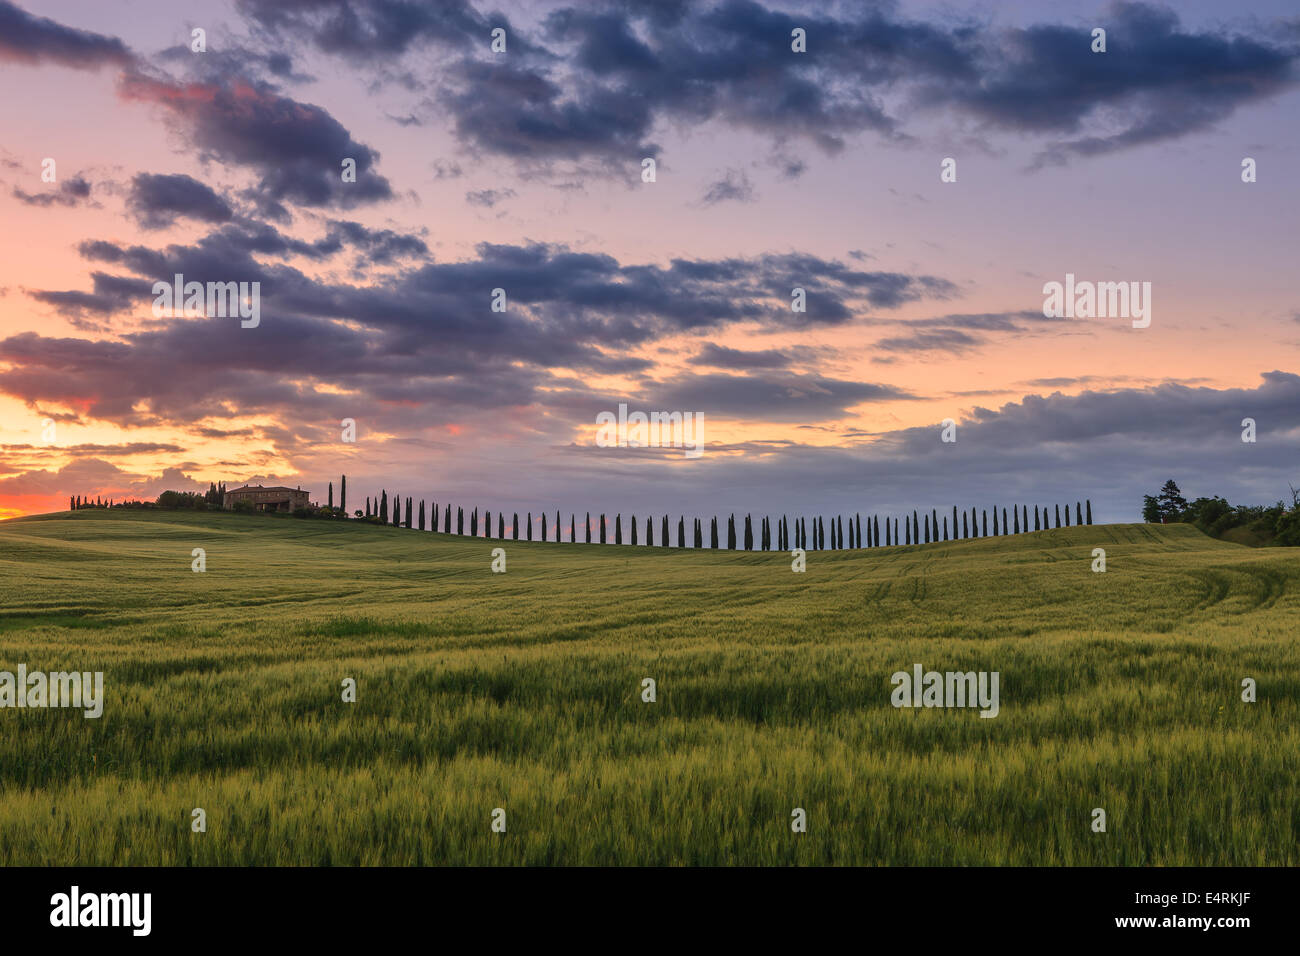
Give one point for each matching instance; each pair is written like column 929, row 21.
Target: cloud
column 70, row 192
column 156, row 201
column 721, row 356
column 297, row 149
column 25, row 38
column 487, row 198
column 733, row 185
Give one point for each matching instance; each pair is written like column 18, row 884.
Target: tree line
column 744, row 533
column 1244, row 524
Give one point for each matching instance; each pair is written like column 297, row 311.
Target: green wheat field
column 522, row 691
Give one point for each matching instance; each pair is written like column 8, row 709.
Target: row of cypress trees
column 917, row 528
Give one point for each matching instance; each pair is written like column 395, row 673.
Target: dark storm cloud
column 25, row 38
column 157, row 201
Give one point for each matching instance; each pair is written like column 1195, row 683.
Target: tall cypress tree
column 889, row 541
column 945, row 527
column 1005, row 527
column 383, row 508
column 875, row 530
column 501, row 525
column 985, row 525
column 557, row 525
column 995, row 522
column 514, row 526
column 602, row 527
column 649, row 532
column 618, row 527
column 1058, row 516
column 543, row 525
column 631, row 523
column 965, row 528
column 713, row 532
column 343, row 496
column 1078, row 514
column 1015, row 514
column 954, row 522
column 663, row 533
column 699, row 534
column 421, row 514
column 330, row 503
column 460, row 522
column 681, row 531
column 487, row 522
column 1037, row 526
column 1089, row 511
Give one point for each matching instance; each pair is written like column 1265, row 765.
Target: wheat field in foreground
column 522, row 691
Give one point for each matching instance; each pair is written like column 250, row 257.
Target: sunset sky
column 522, row 170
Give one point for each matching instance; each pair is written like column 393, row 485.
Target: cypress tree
column 1067, row 516
column 965, row 528
column 446, row 520
column 330, row 503
column 731, row 533
column 649, row 532
column 1037, row 526
column 543, row 525
column 343, row 496
column 681, row 531
column 460, row 523
column 895, row 531
column 383, row 508
column 631, row 523
column 699, row 534
column 985, row 525
column 487, row 522
column 602, row 527
column 1024, row 523
column 1078, row 514
column 945, row 527
column 501, row 525
column 907, row 529
column 367, row 506
column 1015, row 514
column 974, row 523
column 954, row 522
column 663, row 533
column 588, row 527
column 572, row 527
column 421, row 514
column 1005, row 527
column 839, row 533
column 1089, row 511
column 557, row 525
column 934, row 523
column 713, row 532
column 875, row 531
column 995, row 522
column 1058, row 516
column 408, row 513
column 514, row 526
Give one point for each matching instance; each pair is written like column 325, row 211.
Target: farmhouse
column 268, row 499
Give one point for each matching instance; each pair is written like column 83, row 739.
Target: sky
column 522, row 169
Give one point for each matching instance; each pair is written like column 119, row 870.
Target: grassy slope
column 480, row 690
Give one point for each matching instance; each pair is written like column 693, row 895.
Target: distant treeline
column 819, row 533
column 835, row 532
column 1244, row 524
column 171, row 500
